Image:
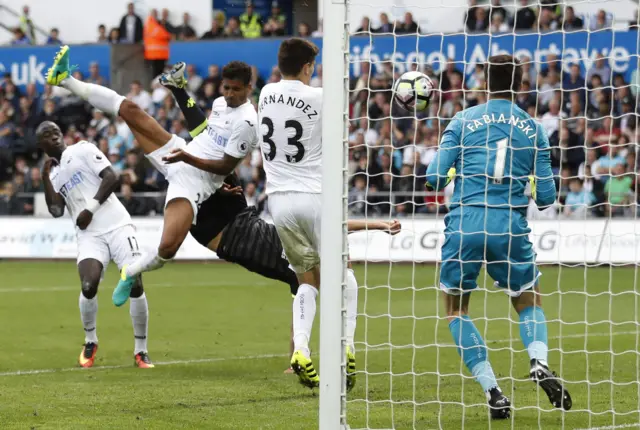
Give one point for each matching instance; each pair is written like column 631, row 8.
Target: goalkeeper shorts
column 497, row 237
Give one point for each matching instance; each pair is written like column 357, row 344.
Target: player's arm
column 237, row 148
column 392, row 227
column 441, row 171
column 543, row 188
column 55, row 201
column 99, row 164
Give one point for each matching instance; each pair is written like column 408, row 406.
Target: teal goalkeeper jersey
column 494, row 147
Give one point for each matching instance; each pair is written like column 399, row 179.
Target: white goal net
column 581, row 82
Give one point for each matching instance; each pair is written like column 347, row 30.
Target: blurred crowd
column 591, row 118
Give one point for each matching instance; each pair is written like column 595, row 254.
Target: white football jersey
column 291, row 129
column 232, row 131
column 77, row 179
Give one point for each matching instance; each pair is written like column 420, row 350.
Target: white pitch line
column 122, row 366
column 613, row 427
column 149, row 285
column 257, row 357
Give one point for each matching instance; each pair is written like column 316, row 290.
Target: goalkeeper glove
column 532, row 182
column 450, row 175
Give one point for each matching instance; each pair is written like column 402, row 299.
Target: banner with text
column 592, row 241
column 29, row 64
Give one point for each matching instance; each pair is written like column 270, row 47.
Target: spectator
column 525, row 96
column 214, row 32
column 409, row 26
column 529, row 72
column 358, row 195
column 618, row 189
column 180, row 130
column 185, row 31
column 8, row 201
column 385, row 25
column 232, row 30
column 19, row 38
column 365, row 26
column 134, row 205
column 102, row 34
column 607, row 134
column 304, row 30
column 277, row 22
column 250, row 23
column 139, row 96
column 608, row 162
column 548, row 88
column 214, row 79
column 53, row 38
column 164, row 21
column 156, row 44
column 480, row 23
column 497, row 25
column 635, row 23
column 570, row 21
column 94, row 75
column 573, row 81
column 7, row 131
column 194, row 80
column 547, row 20
column 601, row 21
column 131, row 26
column 26, row 25
column 114, row 36
column 496, row 8
column 116, row 160
column 551, row 120
column 578, row 200
column 34, row 183
column 525, row 18
column 600, row 68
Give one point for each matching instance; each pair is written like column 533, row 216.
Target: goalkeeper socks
column 139, row 311
column 533, row 331
column 98, row 96
column 304, row 312
column 351, row 295
column 89, row 316
column 148, row 262
column 196, row 120
column 473, row 351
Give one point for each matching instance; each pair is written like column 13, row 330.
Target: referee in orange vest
column 156, row 44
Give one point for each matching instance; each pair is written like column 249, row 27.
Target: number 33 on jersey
column 291, row 136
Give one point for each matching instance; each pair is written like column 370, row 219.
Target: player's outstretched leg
column 90, row 271
column 139, row 311
column 175, row 81
column 473, row 351
column 533, row 332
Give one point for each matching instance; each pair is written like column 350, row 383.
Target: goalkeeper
column 494, row 147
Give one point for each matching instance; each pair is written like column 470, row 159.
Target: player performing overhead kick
column 494, row 147
column 226, row 225
column 230, row 135
column 81, row 178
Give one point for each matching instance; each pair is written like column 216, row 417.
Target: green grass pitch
column 220, row 338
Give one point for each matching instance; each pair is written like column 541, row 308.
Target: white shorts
column 119, row 245
column 185, row 181
column 297, row 219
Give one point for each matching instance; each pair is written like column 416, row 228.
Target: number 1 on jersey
column 501, row 159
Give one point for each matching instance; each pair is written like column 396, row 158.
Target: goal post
column 335, row 117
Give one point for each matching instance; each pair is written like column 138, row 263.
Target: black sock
column 196, row 120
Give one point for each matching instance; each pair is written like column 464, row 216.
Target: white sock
column 146, row 263
column 98, row 96
column 304, row 312
column 139, row 310
column 351, row 296
column 89, row 316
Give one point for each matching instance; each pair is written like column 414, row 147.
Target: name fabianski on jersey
column 290, row 101
column 523, row 124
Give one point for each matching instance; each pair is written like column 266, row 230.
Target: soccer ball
column 413, row 91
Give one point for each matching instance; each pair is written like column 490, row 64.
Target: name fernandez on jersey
column 523, row 125
column 290, row 101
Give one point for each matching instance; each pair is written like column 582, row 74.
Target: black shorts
column 217, row 212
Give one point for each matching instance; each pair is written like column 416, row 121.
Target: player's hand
column 394, row 227
column 84, row 219
column 227, row 190
column 176, row 156
column 48, row 165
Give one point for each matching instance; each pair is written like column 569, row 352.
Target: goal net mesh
column 580, row 62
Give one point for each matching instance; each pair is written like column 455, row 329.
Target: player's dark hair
column 237, row 71
column 503, row 75
column 294, row 53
